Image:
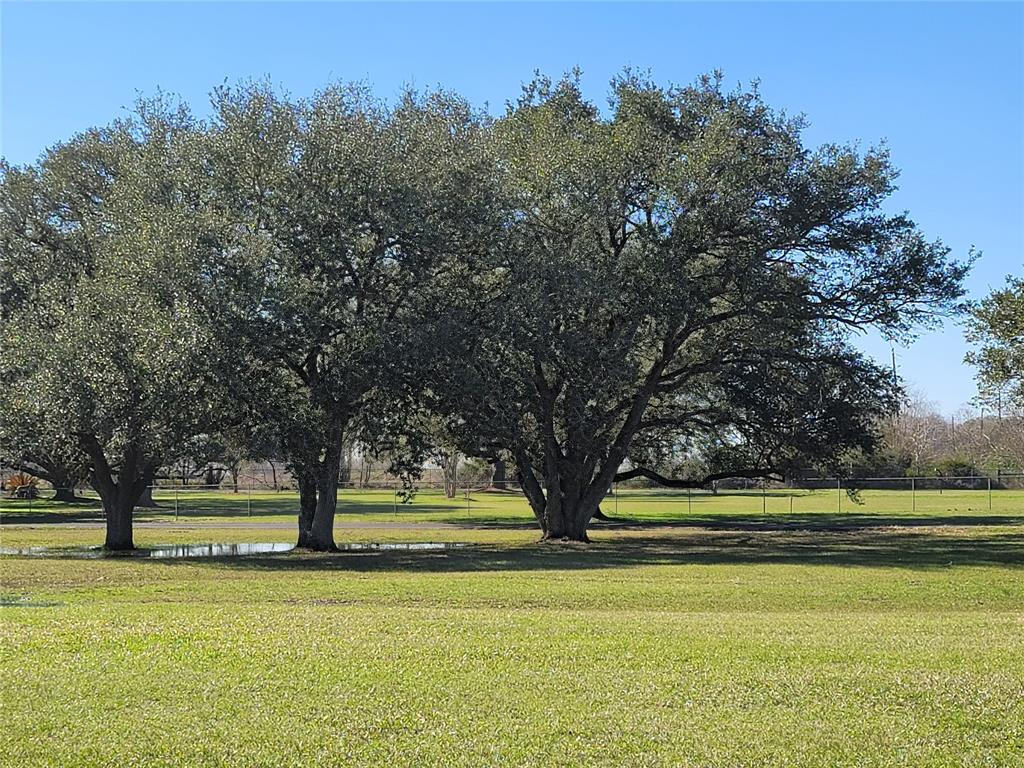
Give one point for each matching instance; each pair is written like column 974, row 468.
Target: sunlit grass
column 483, row 507
column 730, row 640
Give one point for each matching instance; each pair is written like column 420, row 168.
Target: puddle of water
column 219, row 550
column 158, row 552
column 401, row 545
column 42, row 551
column 216, row 550
column 23, row 601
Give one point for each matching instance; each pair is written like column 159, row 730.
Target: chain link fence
column 898, row 497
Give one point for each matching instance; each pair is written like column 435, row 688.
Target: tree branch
column 669, row 482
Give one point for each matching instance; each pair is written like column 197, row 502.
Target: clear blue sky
column 943, row 83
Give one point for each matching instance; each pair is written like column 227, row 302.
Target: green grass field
column 709, row 635
column 496, row 508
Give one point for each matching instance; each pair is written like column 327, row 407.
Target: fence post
column 764, row 498
column 175, row 505
column 615, row 493
column 913, row 495
column 689, row 503
column 839, row 493
column 989, row 493
column 248, row 500
column 394, row 496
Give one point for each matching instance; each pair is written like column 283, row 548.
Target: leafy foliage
column 22, row 486
column 570, row 290
column 350, row 216
column 997, row 327
column 685, row 273
column 111, row 342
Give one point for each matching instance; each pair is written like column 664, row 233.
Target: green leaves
column 560, row 283
column 112, row 337
column 352, row 223
column 685, row 271
column 997, row 327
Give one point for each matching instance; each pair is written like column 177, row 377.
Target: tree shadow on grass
column 236, row 507
column 744, row 522
column 228, row 509
column 43, row 517
column 874, row 548
column 826, row 522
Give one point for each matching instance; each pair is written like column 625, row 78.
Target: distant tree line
column 665, row 288
column 920, row 441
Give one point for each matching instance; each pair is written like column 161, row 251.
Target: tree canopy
column 351, row 217
column 110, row 341
column 684, row 272
column 592, row 294
column 996, row 326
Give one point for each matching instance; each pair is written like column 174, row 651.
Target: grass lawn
column 483, row 508
column 717, row 637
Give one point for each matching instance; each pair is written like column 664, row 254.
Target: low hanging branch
column 670, row 482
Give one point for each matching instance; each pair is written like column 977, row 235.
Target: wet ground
column 214, row 549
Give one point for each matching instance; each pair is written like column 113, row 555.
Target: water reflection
column 164, row 551
column 220, row 550
column 406, row 545
column 23, row 601
column 160, row 551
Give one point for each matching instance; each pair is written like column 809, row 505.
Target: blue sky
column 942, row 83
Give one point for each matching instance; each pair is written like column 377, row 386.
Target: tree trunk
column 120, row 495
column 345, row 471
column 146, row 499
column 449, row 473
column 307, row 507
column 498, row 479
column 65, row 495
column 118, row 512
column 567, row 521
column 213, row 477
column 119, row 499
column 322, row 530
column 57, row 475
column 570, row 498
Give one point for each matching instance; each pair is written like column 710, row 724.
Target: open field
column 722, row 638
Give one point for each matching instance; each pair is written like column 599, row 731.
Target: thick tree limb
column 669, row 482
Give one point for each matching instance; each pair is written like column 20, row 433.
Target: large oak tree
column 110, row 340
column 351, row 217
column 682, row 271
